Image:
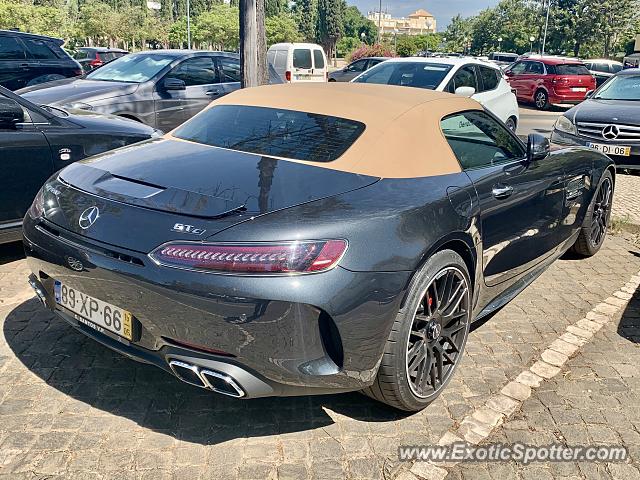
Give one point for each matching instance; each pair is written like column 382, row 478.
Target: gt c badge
column 189, row 229
column 88, row 217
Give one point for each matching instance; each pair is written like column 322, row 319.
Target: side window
column 230, row 69
column 302, row 58
column 195, row 71
column 490, row 78
column 39, row 49
column 358, row 66
column 477, row 140
column 11, row 48
column 615, row 68
column 464, row 77
column 318, row 59
column 372, row 63
column 535, row 68
column 519, row 68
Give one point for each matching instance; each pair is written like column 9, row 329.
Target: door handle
column 501, row 192
column 212, row 93
column 24, row 65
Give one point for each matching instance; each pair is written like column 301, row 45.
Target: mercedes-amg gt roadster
column 307, row 239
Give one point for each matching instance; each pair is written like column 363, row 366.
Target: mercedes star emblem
column 75, row 264
column 88, row 217
column 610, row 132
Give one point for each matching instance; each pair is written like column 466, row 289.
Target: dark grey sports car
column 305, row 239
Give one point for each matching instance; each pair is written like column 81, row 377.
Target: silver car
column 162, row 88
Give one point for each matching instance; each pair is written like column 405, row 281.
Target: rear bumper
column 285, row 335
column 566, row 98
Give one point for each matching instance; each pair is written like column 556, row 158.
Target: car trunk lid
column 144, row 191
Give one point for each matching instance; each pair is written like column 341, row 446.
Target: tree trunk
column 252, row 43
column 576, row 49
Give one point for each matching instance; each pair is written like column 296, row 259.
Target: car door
column 319, row 72
column 517, row 79
column 490, row 94
column 355, row 69
column 15, row 70
column 229, row 68
column 521, row 203
column 302, row 65
column 26, row 162
column 201, row 80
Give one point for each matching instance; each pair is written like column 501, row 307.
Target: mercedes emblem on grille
column 610, row 132
column 75, row 264
column 88, row 217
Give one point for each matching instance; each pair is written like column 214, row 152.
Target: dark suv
column 27, row 59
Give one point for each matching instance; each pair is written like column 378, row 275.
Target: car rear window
column 302, row 58
column 39, row 49
column 572, row 69
column 11, row 49
column 273, row 131
column 318, row 59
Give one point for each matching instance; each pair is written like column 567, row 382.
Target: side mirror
column 538, row 147
column 10, row 113
column 465, row 91
column 174, row 84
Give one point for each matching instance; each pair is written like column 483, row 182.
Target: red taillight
column 287, row 75
column 289, row 257
column 95, row 62
column 560, row 80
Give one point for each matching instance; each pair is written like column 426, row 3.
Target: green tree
column 355, row 24
column 306, row 12
column 458, row 33
column 219, row 27
column 282, row 28
column 330, row 27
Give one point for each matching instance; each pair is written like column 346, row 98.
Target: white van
column 298, row 62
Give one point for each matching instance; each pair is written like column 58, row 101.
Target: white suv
column 469, row 77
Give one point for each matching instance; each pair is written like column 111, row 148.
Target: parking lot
column 72, row 408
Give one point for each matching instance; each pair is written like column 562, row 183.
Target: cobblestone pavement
column 72, row 408
column 626, row 202
column 594, row 400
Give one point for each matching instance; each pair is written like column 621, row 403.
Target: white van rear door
column 302, row 65
column 319, row 66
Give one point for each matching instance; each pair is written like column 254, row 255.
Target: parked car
column 546, row 81
column 608, row 121
column 37, row 141
column 27, row 59
column 162, row 88
column 354, row 69
column 299, row 62
column 91, row 58
column 603, row 69
column 503, row 58
column 469, row 77
column 248, row 252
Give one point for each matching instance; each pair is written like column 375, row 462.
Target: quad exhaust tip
column 204, row 378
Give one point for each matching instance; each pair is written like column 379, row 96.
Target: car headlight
column 563, row 124
column 78, row 106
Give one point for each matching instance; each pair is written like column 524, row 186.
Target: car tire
column 428, row 336
column 596, row 221
column 511, row 124
column 541, row 99
column 332, row 80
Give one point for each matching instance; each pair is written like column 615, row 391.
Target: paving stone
column 544, row 370
column 516, row 390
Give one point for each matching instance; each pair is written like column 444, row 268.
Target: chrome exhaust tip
column 187, row 373
column 209, row 379
column 222, row 383
column 39, row 290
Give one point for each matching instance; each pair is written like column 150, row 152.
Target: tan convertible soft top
column 402, row 138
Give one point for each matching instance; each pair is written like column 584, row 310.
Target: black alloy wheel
column 601, row 213
column 438, row 333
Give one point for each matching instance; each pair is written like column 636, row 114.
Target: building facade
column 418, row 23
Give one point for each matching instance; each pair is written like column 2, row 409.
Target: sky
column 442, row 10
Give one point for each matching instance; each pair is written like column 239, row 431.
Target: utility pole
column 252, row 60
column 546, row 26
column 380, row 23
column 188, row 27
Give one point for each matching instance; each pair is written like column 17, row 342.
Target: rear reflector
column 287, row 76
column 289, row 257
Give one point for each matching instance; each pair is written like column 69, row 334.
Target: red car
column 547, row 81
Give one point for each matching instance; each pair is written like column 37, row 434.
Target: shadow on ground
column 89, row 372
column 11, row 252
column 629, row 326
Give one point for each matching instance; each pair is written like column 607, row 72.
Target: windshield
column 136, row 68
column 407, row 74
column 622, row 87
